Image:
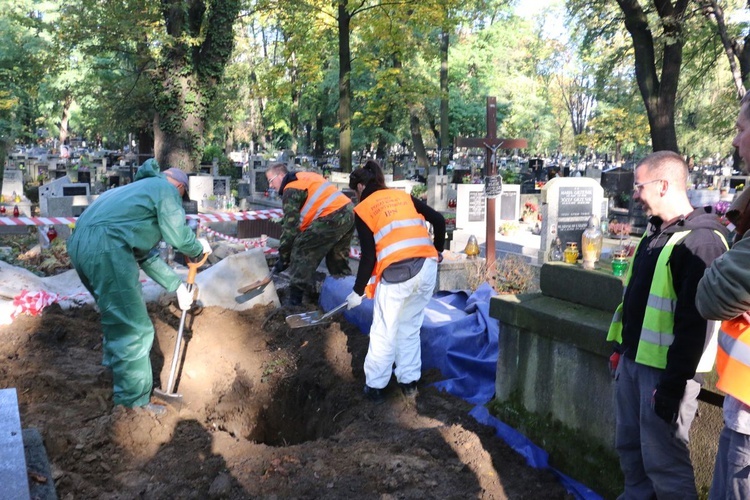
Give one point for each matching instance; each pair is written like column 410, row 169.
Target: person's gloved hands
column 278, row 267
column 440, row 257
column 184, row 297
column 206, row 246
column 665, row 405
column 353, row 300
column 614, row 361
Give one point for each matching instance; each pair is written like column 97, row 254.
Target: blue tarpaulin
column 461, row 340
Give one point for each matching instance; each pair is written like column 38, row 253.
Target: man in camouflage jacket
column 318, row 222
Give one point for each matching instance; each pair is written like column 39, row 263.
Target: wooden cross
column 491, row 143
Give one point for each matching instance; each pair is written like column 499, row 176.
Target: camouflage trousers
column 328, row 237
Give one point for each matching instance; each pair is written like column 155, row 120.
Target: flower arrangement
column 721, row 208
column 620, row 229
column 530, row 212
column 508, row 227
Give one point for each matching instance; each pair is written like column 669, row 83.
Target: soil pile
column 267, row 412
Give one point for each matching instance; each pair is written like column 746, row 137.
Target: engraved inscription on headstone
column 573, row 212
column 477, row 206
column 508, row 204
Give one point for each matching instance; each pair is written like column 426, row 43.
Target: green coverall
column 114, row 236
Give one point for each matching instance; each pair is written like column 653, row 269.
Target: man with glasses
column 318, row 222
column 663, row 345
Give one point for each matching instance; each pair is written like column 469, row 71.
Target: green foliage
column 570, row 451
column 418, row 190
column 510, row 177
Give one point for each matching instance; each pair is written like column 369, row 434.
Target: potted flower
column 720, row 209
column 508, row 228
column 530, row 213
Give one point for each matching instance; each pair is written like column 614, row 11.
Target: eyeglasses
column 272, row 179
column 637, row 186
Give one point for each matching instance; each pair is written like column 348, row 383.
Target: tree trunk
column 294, row 112
column 345, row 91
column 187, row 75
column 735, row 52
column 658, row 95
column 416, row 139
column 319, row 137
column 65, row 119
column 444, row 132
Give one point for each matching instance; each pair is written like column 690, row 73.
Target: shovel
column 312, row 318
column 169, row 395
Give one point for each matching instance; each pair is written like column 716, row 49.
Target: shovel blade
column 169, row 398
column 303, row 320
column 312, row 318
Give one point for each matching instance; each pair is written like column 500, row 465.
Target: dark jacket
column 688, row 261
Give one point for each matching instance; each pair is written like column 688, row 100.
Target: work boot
column 294, row 296
column 409, row 390
column 377, row 396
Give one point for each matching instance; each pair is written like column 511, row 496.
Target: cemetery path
column 267, row 412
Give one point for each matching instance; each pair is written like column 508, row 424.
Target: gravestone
column 12, row 184
column 471, row 208
column 439, row 190
column 222, row 186
column 567, row 203
column 259, row 181
column 200, row 188
column 510, row 202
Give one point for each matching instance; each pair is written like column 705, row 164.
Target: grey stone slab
column 13, row 476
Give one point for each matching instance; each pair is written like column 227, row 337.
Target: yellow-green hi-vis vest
column 657, row 331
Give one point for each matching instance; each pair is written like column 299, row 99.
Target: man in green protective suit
column 113, row 237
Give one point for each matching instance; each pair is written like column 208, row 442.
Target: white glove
column 206, row 246
column 184, row 297
column 353, row 300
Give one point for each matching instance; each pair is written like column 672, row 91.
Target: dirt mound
column 266, row 412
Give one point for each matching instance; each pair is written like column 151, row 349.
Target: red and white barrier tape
column 213, row 217
column 32, row 304
column 252, row 243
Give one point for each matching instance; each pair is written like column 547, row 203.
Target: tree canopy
column 321, row 78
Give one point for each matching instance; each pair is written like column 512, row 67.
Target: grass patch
column 570, row 452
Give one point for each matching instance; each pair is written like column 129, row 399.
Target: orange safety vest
column 733, row 358
column 323, row 198
column 400, row 232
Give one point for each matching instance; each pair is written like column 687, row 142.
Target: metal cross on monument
column 491, row 143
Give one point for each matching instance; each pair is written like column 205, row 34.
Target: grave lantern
column 591, row 241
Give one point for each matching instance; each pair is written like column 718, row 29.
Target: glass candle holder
column 619, row 266
column 571, row 253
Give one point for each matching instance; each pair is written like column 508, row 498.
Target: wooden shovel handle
column 193, row 267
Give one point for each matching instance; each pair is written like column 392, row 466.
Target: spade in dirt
column 312, row 318
column 169, row 395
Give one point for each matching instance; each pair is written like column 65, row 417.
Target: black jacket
column 688, row 261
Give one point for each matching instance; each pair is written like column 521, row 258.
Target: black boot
column 294, row 297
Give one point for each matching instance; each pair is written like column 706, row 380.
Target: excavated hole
column 299, row 412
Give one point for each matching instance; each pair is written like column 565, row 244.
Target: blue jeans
column 732, row 470
column 654, row 455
